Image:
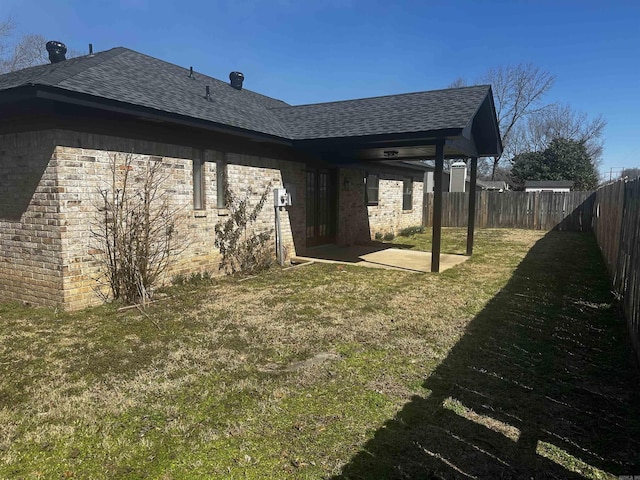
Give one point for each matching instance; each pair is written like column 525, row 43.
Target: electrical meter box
column 281, row 198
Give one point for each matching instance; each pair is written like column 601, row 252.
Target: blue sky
column 322, row 50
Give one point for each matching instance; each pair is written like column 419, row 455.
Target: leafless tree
column 6, row 28
column 135, row 231
column 486, row 171
column 26, row 51
column 29, row 51
column 559, row 121
column 518, row 91
column 458, row 83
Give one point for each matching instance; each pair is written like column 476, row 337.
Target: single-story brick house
column 345, row 163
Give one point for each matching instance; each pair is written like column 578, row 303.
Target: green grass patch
column 513, row 364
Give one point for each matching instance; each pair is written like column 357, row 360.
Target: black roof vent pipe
column 57, row 51
column 236, row 80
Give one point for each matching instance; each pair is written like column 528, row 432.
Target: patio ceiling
column 337, row 151
column 416, row 150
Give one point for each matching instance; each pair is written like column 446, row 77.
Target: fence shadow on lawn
column 542, row 382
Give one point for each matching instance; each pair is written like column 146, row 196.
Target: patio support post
column 437, row 208
column 471, row 222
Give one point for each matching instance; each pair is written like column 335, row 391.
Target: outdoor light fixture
column 390, row 153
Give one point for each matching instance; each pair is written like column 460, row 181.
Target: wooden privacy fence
column 616, row 225
column 570, row 211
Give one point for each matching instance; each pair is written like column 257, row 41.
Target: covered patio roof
column 451, row 123
column 407, row 126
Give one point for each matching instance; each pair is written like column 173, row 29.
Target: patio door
column 321, row 196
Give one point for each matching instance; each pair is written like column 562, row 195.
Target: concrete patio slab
column 379, row 256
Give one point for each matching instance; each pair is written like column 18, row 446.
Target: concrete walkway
column 379, row 255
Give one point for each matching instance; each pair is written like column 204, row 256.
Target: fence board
column 612, row 212
column 617, row 229
column 538, row 211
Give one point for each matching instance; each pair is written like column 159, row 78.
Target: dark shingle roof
column 410, row 112
column 548, row 183
column 127, row 76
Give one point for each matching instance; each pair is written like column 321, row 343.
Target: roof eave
column 18, row 94
column 500, row 146
column 467, row 132
column 56, row 94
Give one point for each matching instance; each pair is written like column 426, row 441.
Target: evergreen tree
column 563, row 159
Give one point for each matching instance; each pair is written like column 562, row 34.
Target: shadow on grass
column 542, row 384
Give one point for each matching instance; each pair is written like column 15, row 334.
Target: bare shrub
column 136, row 229
column 243, row 249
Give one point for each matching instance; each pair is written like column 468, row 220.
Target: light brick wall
column 249, row 173
column 30, row 219
column 388, row 216
column 358, row 223
column 49, row 255
column 84, row 172
column 50, row 200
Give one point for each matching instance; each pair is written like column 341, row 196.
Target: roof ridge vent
column 236, row 80
column 57, row 51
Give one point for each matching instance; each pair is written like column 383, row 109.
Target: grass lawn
column 514, row 364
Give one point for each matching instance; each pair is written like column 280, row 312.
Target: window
column 198, row 180
column 221, row 180
column 372, row 188
column 407, row 193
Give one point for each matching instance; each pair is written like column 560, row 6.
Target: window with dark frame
column 198, row 180
column 221, row 181
column 372, row 189
column 407, row 193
